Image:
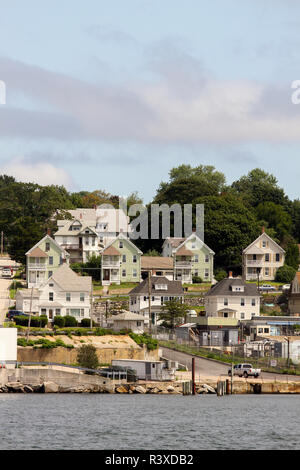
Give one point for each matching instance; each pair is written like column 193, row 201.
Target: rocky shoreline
column 145, row 388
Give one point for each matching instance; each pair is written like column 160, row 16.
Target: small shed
column 147, row 370
column 128, row 321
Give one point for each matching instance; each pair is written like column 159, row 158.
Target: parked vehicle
column 244, row 370
column 7, row 272
column 14, row 313
column 267, row 287
column 286, row 287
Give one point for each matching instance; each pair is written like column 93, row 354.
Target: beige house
column 265, row 256
column 128, row 321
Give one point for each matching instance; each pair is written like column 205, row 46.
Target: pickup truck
column 244, row 370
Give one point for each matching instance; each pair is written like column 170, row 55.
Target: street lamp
column 258, row 270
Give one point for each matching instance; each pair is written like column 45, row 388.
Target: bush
column 70, row 321
column 35, row 321
column 220, row 274
column 59, row 321
column 87, row 356
column 197, row 280
column 86, row 323
column 285, row 274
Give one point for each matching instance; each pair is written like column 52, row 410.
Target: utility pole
column 149, row 295
column 30, row 312
column 91, row 305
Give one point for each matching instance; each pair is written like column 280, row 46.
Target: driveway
column 208, row 369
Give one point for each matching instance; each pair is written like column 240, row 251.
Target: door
column 50, row 314
column 148, row 370
column 106, row 275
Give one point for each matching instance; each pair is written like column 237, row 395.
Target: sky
column 112, row 95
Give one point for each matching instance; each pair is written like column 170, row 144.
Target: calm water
column 149, row 422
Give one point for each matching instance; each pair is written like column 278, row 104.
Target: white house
column 161, row 291
column 128, row 321
column 232, row 298
column 110, row 223
column 262, row 257
column 79, row 238
column 64, row 293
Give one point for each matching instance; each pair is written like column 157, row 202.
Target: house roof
column 111, row 251
column 124, row 238
column 68, row 280
column 38, row 253
column 224, row 288
column 157, row 262
column 26, row 293
column 47, row 237
column 183, row 251
column 128, row 316
column 246, row 250
column 173, row 287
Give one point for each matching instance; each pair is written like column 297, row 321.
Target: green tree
column 285, row 274
column 173, row 312
column 276, row 218
column 87, row 356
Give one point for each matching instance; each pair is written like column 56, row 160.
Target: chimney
column 230, row 275
column 263, row 230
column 49, row 232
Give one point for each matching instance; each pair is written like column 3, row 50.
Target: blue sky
column 112, row 95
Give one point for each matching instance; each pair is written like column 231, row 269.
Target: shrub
column 87, row 356
column 220, row 274
column 197, row 280
column 59, row 321
column 285, row 274
column 86, row 323
column 70, row 321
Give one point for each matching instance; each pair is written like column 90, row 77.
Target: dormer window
column 237, row 288
column 161, row 287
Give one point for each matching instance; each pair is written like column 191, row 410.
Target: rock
column 50, row 387
column 121, row 389
column 28, row 389
column 140, row 389
column 170, row 389
column 153, row 390
column 208, row 388
column 15, row 387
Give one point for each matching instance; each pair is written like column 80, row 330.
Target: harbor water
column 138, row 422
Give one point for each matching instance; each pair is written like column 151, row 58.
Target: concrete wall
column 69, row 356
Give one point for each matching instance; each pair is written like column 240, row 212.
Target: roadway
column 208, row 369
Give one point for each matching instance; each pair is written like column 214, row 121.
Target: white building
column 110, row 223
column 8, row 344
column 233, row 298
column 64, row 293
column 161, row 289
column 128, row 321
column 263, row 255
column 79, row 238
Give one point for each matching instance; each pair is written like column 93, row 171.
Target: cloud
column 41, row 173
column 181, row 103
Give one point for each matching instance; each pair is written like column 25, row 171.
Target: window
column 51, row 260
column 266, row 330
column 57, row 311
column 134, row 273
column 51, row 296
column 81, row 297
column 206, row 273
column 242, row 302
column 266, row 271
column 267, row 257
column 87, row 241
column 277, row 257
column 206, row 258
column 93, row 241
column 134, row 258
column 124, row 259
column 138, row 323
column 242, row 316
column 49, row 275
column 196, row 258
column 123, row 272
column 47, row 246
column 226, row 302
column 253, row 302
column 264, row 244
column 193, row 246
column 120, row 244
column 43, row 311
column 68, row 297
column 260, row 330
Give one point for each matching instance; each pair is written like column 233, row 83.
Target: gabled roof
column 264, row 234
column 111, row 251
column 173, row 287
column 69, row 281
column 128, row 316
column 184, row 252
column 178, row 243
column 224, row 288
column 38, row 253
column 47, row 237
column 122, row 237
